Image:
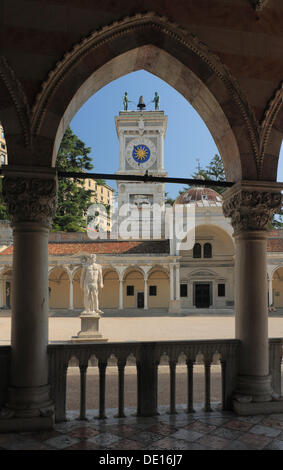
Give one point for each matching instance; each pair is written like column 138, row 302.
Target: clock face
column 140, row 153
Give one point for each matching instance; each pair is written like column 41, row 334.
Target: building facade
column 142, row 270
column 3, row 147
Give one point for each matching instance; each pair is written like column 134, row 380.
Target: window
column 130, row 290
column 207, row 250
column 221, row 290
column 197, row 250
column 152, row 290
column 184, row 290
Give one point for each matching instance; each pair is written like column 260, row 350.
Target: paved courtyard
column 149, row 326
column 196, row 431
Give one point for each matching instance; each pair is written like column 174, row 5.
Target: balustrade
column 147, row 356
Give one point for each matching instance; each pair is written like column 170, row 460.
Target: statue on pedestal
column 91, row 279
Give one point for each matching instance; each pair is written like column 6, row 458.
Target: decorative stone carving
column 259, row 4
column 125, row 26
column 272, row 109
column 30, row 199
column 251, row 209
column 18, row 97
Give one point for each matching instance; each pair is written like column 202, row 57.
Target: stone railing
column 147, row 358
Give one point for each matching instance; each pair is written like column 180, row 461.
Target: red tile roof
column 275, row 245
column 105, row 247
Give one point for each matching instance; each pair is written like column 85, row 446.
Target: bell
column 141, row 104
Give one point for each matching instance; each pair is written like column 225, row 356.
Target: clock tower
column 141, row 137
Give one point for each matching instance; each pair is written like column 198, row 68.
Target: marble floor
column 197, row 431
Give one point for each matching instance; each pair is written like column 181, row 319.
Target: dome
column 201, row 196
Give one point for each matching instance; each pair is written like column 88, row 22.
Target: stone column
column 174, row 303
column 177, row 282
column 250, row 205
column 270, row 290
column 146, row 270
column 120, row 271
column 30, row 196
column 71, row 300
column 145, row 293
column 171, row 281
column 121, row 300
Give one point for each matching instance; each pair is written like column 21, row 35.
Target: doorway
column 202, row 295
column 140, row 299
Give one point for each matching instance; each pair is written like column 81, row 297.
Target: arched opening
column 109, row 295
column 6, row 293
column 3, row 147
column 207, row 250
column 194, row 71
column 197, row 250
column 133, row 292
column 59, row 288
column 158, row 288
column 277, row 287
column 78, row 292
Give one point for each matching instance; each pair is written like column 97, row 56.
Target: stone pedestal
column 174, row 306
column 89, row 328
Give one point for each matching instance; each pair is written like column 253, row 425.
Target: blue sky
column 187, row 139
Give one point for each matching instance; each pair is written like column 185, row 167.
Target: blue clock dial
column 141, row 153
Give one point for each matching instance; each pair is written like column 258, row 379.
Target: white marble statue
column 91, row 280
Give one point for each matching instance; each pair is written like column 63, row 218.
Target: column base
column 174, row 306
column 42, row 423
column 253, row 389
column 89, row 328
column 259, row 408
column 28, row 408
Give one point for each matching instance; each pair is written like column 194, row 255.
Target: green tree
column 213, row 171
column 73, row 199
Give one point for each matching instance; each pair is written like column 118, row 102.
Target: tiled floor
column 198, row 431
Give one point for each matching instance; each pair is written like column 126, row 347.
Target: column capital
column 30, row 194
column 251, row 205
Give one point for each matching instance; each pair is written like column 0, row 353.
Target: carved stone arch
column 279, row 266
column 15, row 113
column 271, row 135
column 60, row 267
column 151, row 42
column 158, row 267
column 131, row 268
column 109, row 268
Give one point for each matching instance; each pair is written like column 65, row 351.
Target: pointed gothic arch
column 154, row 44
